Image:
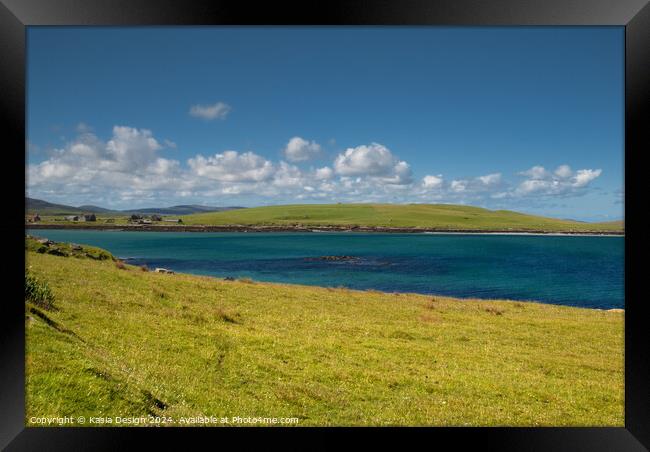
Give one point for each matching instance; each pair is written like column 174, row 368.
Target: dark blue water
column 570, row 270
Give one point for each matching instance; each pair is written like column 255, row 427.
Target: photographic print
column 324, row 226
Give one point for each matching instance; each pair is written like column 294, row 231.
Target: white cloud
column 584, row 176
column 208, row 112
column 119, row 169
column 324, row 173
column 230, row 166
column 458, row 185
column 128, row 168
column 480, row 184
column 300, row 150
column 563, row 171
column 373, row 160
column 536, row 172
column 288, row 176
column 132, row 148
column 561, row 182
column 429, row 181
column 490, row 179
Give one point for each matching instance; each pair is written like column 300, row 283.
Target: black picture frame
column 634, row 15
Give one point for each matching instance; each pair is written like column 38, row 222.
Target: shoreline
column 126, row 259
column 314, row 229
column 361, row 291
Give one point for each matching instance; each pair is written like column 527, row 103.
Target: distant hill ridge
column 431, row 217
column 47, row 208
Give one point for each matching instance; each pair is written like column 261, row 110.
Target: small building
column 155, row 217
column 135, row 217
column 89, row 217
column 36, row 218
column 173, row 220
column 72, row 217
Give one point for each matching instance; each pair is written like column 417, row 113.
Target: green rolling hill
column 430, row 216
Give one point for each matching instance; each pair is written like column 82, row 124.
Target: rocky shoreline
column 315, row 229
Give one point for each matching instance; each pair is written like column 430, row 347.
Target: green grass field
column 436, row 216
column 126, row 342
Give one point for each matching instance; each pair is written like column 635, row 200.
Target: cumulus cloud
column 535, row 173
column 480, row 184
column 300, row 150
column 126, row 165
column 563, row 171
column 324, row 173
column 289, row 176
column 458, row 185
column 430, row 181
column 563, row 181
column 490, row 179
column 132, row 148
column 208, row 112
column 128, row 168
column 373, row 160
column 231, row 166
column 128, row 150
column 584, row 176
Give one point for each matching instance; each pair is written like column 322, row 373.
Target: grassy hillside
column 44, row 208
column 438, row 216
column 126, row 342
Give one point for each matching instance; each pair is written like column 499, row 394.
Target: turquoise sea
column 585, row 271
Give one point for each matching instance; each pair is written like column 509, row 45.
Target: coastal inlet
column 586, row 271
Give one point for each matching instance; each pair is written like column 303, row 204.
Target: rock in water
column 334, row 258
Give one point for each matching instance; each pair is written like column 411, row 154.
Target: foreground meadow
column 120, row 341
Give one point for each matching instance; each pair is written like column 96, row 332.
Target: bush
column 38, row 292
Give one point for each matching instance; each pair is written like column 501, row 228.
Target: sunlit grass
column 125, row 342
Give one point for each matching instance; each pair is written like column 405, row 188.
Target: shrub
column 38, row 292
column 144, row 268
column 119, row 264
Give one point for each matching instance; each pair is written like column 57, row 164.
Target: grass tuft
column 38, row 292
column 226, row 316
column 494, row 310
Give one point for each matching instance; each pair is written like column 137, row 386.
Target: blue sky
column 529, row 119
